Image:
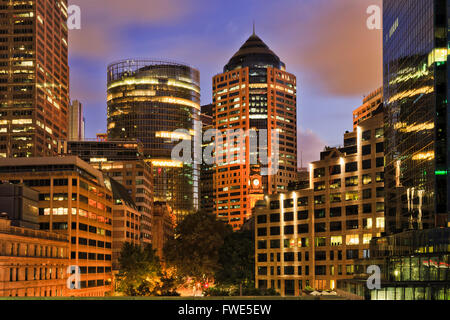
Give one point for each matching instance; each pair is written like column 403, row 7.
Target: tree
column 194, row 251
column 139, row 270
column 237, row 260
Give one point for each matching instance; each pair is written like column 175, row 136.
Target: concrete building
column 122, row 160
column 253, row 92
column 73, row 201
column 34, row 77
column 20, row 205
column 76, row 121
column 370, row 105
column 312, row 237
column 33, row 263
column 126, row 221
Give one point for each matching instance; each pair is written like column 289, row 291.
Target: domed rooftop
column 253, row 52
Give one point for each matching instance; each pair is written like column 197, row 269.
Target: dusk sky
column 325, row 43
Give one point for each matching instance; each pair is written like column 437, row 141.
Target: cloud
column 328, row 42
column 101, row 20
column 309, row 146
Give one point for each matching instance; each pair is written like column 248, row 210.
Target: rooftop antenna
column 253, row 27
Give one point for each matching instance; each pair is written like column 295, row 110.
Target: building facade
column 254, row 92
column 76, row 121
column 33, row 263
column 126, row 221
column 312, row 237
column 149, row 100
column 74, row 201
column 34, row 77
column 20, row 205
column 124, row 162
column 207, row 170
column 416, row 88
column 370, row 105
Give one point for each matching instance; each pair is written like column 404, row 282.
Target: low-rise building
column 33, row 263
column 163, row 227
column 73, row 201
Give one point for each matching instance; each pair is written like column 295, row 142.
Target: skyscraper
column 34, row 77
column 254, row 92
column 148, row 100
column 416, row 98
column 76, row 121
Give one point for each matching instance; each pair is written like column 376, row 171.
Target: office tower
column 370, row 104
column 34, row 77
column 124, row 161
column 76, row 121
column 125, row 222
column 312, row 237
column 206, row 170
column 148, row 100
column 415, row 42
column 254, row 92
column 20, row 205
column 33, row 263
column 76, row 201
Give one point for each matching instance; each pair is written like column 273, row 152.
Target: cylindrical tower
column 148, row 100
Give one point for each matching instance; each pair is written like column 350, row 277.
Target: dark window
column 380, row 162
column 261, row 219
column 367, row 164
column 352, row 254
column 262, row 232
column 288, row 229
column 262, row 257
column 302, row 215
column 351, row 210
column 366, row 150
column 274, row 205
column 321, row 270
column 288, row 203
column 319, row 173
column 303, row 228
column 262, row 244
column 367, row 208
column 288, row 216
column 335, row 170
column 319, row 213
column 289, row 256
column 320, row 227
column 275, row 217
column 335, row 212
column 321, row 255
column 366, row 135
column 351, row 167
column 380, row 147
column 275, row 244
column 302, row 201
column 352, row 224
column 367, row 193
column 336, row 226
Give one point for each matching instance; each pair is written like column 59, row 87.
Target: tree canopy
column 194, row 251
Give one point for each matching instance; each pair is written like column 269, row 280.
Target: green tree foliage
column 141, row 274
column 237, row 260
column 194, row 251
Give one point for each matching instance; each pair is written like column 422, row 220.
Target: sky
column 325, row 43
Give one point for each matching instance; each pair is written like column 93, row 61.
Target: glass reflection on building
column 148, row 100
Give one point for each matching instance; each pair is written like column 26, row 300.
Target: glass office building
column 148, row 100
column 416, row 76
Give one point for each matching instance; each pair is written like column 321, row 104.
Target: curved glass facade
column 148, row 100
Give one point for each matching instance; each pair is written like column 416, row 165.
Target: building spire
column 254, row 27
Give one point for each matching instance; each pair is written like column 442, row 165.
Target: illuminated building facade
column 34, row 77
column 126, row 221
column 370, row 105
column 33, row 263
column 148, row 100
column 74, row 200
column 312, row 237
column 253, row 92
column 123, row 161
column 206, row 170
column 415, row 265
column 76, row 121
column 416, row 99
